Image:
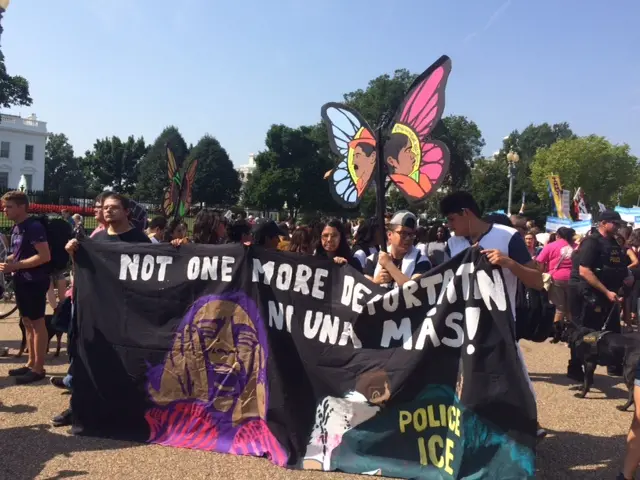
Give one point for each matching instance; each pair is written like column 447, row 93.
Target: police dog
column 593, row 348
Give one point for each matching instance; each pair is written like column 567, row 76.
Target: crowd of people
column 585, row 276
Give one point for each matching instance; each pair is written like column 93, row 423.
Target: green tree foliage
column 217, row 181
column 593, row 163
column 113, row 164
column 153, row 177
column 291, row 170
column 489, row 181
column 62, row 173
column 14, row 90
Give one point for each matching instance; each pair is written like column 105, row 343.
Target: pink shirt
column 554, row 253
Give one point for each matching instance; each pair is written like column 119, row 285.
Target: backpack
column 59, row 232
column 534, row 314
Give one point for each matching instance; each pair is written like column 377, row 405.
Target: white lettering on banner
column 349, row 334
column 450, row 322
column 284, row 277
column 492, row 290
column 279, row 315
column 429, row 283
column 448, row 287
column 311, row 329
column 130, row 267
column 353, row 293
column 210, row 268
column 391, row 331
column 391, row 300
column 408, row 292
column 329, row 330
column 464, row 271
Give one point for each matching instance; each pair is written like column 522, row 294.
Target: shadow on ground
column 604, row 386
column 27, row 463
column 565, row 455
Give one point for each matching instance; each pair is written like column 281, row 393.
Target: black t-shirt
column 604, row 257
column 132, row 236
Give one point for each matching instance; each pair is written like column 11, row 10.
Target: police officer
column 599, row 272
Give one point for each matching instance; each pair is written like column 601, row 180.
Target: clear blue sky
column 231, row 69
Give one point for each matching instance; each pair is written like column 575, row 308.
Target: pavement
column 586, row 436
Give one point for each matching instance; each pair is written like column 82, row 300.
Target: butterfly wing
column 416, row 118
column 187, row 188
column 172, row 166
column 346, row 130
column 171, row 194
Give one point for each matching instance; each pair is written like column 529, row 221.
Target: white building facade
column 246, row 170
column 22, row 148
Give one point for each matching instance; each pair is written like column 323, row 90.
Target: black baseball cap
column 264, row 227
column 610, row 216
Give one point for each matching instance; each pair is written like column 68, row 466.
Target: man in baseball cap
column 267, row 233
column 403, row 260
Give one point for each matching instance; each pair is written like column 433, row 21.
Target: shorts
column 559, row 295
column 57, row 275
column 31, row 298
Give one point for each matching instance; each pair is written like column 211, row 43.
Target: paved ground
column 586, row 439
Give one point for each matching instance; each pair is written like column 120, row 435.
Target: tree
column 14, row 90
column 383, row 95
column 465, row 142
column 62, row 172
column 153, row 174
column 291, row 170
column 489, row 180
column 217, row 181
column 113, row 164
column 600, row 168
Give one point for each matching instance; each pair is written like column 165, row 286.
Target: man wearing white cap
column 403, row 261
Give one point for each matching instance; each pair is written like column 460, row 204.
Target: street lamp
column 512, row 160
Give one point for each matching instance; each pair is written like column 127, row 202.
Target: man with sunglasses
column 597, row 276
column 403, row 261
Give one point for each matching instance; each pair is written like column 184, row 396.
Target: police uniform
column 590, row 308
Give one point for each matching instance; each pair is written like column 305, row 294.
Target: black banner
column 241, row 350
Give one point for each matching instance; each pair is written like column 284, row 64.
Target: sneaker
column 63, row 420
column 540, row 432
column 30, row 377
column 58, row 382
column 17, row 372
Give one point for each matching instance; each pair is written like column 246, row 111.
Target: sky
column 232, row 69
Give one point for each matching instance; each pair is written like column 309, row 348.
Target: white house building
column 22, row 143
column 245, row 170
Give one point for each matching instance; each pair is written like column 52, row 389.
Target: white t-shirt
column 509, row 242
column 362, row 255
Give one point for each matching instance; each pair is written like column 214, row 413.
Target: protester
column 436, row 247
column 156, row 228
column 284, row 239
column 266, row 233
column 367, row 239
column 502, row 245
column 300, row 241
column 632, row 456
column 78, row 227
column 239, row 231
column 29, row 255
column 403, row 261
column 555, row 259
column 335, row 246
column 530, row 242
column 209, row 228
column 596, row 279
column 176, row 229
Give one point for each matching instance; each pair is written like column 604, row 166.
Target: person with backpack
column 28, row 261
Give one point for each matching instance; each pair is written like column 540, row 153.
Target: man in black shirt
column 116, row 210
column 598, row 274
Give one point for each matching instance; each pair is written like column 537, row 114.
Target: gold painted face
column 208, row 364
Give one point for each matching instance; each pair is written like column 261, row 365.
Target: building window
column 29, row 179
column 28, row 152
column 4, row 180
column 4, row 149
